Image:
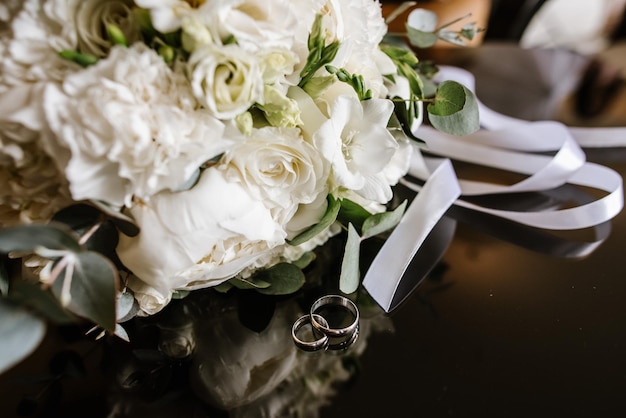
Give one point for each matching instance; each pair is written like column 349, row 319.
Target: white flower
column 255, row 24
column 199, row 237
column 357, row 143
column 132, row 127
column 225, row 79
column 40, row 30
column 32, row 187
column 167, row 15
column 92, row 16
column 278, row 167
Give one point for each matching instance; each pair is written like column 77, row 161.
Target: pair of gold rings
column 325, row 337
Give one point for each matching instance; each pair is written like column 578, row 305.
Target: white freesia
column 199, row 237
column 357, row 143
column 225, row 79
column 132, row 126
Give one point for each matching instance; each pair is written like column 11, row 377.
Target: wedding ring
column 334, row 301
column 315, row 345
column 343, row 345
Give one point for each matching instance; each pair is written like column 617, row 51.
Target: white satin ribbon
column 508, row 144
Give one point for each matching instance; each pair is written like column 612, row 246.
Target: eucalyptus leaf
column 249, row 283
column 191, row 181
column 21, row 331
column 455, row 109
column 352, row 212
column 224, row 287
column 327, row 220
column 27, row 238
column 125, row 224
column 93, row 289
column 422, row 19
column 41, row 301
column 284, row 279
column 305, row 260
column 127, row 306
column 381, row 222
column 350, row 275
column 421, row 39
column 121, row 333
column 4, row 278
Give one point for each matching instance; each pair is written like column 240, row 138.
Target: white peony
column 278, row 167
column 357, row 143
column 225, row 79
column 132, row 126
column 39, row 31
column 197, row 238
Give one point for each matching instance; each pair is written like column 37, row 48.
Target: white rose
column 278, row 167
column 93, row 15
column 357, row 143
column 199, row 237
column 150, row 299
column 132, row 126
column 167, row 15
column 225, row 79
column 255, row 24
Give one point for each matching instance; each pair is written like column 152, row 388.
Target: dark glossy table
column 498, row 329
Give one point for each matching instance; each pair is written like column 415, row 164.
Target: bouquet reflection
column 232, row 355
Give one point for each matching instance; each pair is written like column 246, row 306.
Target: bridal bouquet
column 154, row 147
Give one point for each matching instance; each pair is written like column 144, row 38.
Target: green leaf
column 81, row 218
column 4, row 278
column 381, row 222
column 350, row 276
column 127, row 306
column 21, row 331
column 420, row 38
column 455, row 109
column 121, row 333
column 304, row 261
column 26, row 238
column 41, row 301
column 329, row 217
column 351, row 212
column 93, row 289
column 224, row 286
column 284, row 279
column 253, row 282
column 125, row 224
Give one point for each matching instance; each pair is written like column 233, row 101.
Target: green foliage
column 327, row 220
column 27, row 238
column 115, row 35
column 84, row 60
column 350, row 278
column 382, row 222
column 354, row 80
column 320, row 54
column 21, row 331
column 92, row 287
column 40, row 301
column 284, row 279
column 455, row 109
column 351, row 212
